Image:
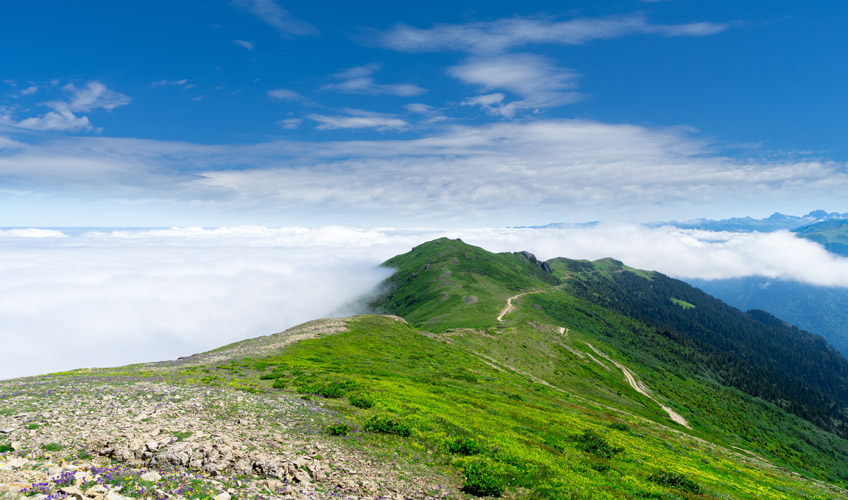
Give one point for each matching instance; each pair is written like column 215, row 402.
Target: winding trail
column 509, row 307
column 628, row 375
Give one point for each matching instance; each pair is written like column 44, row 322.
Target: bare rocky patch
column 108, row 438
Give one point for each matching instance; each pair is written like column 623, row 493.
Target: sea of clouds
column 85, row 298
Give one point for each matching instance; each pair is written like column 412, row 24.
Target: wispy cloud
column 506, row 34
column 271, row 13
column 359, row 119
column 94, row 95
column 359, row 80
column 284, row 95
column 32, row 89
column 244, row 44
column 174, row 83
column 290, row 123
column 536, row 79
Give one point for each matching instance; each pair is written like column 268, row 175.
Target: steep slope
column 819, row 309
column 753, row 352
column 708, row 362
column 448, row 284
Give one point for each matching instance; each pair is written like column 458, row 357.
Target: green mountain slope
column 739, row 379
column 448, row 284
column 504, row 431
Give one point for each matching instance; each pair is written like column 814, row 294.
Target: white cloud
column 244, row 43
column 105, row 300
column 176, row 83
column 358, row 80
column 358, row 119
column 505, row 34
column 290, row 123
column 32, row 89
column 31, row 233
column 271, row 13
column 60, row 120
column 284, row 95
column 93, row 96
column 116, row 297
column 420, row 108
column 538, row 82
column 502, row 173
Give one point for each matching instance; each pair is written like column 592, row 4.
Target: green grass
column 683, row 303
column 543, row 445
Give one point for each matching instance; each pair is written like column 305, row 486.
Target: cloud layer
column 112, row 297
column 497, row 174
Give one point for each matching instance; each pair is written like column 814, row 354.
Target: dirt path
column 509, row 307
column 628, row 375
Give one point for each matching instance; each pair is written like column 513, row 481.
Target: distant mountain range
column 773, row 222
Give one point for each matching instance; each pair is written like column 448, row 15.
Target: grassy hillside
column 741, row 380
column 499, row 429
column 449, row 284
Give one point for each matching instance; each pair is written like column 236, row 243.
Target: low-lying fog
column 75, row 299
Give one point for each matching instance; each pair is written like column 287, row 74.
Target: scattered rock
column 151, row 476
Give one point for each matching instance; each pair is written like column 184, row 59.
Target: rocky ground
column 108, row 438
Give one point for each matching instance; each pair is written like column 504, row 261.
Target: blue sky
column 454, row 113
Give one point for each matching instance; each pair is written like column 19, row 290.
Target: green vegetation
column 388, row 424
column 434, row 280
column 361, row 400
column 328, row 388
column 683, row 303
column 591, row 442
column 182, row 435
column 483, row 479
column 338, row 429
column 52, row 447
column 5, row 448
column 464, row 446
column 676, row 481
